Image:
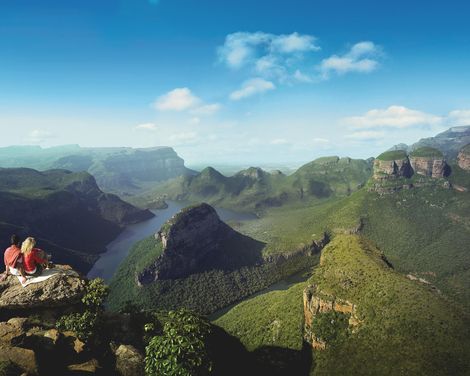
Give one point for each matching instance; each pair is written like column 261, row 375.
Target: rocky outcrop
column 435, row 168
column 463, row 158
column 316, row 302
column 392, row 165
column 64, row 289
column 429, row 162
column 129, row 361
column 195, row 240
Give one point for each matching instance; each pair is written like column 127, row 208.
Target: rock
column 23, row 358
column 392, row 165
column 77, row 345
column 53, row 334
column 463, row 158
column 9, row 331
column 90, row 366
column 61, row 290
column 430, row 162
column 316, row 302
column 129, row 362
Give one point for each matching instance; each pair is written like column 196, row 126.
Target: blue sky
column 240, row 81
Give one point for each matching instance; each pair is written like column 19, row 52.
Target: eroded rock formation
column 316, row 302
column 390, row 169
column 463, row 159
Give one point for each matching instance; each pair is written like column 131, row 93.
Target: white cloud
column 194, row 120
column 38, row 136
column 392, row 117
column 178, row 99
column 146, row 127
column 361, row 58
column 459, row 117
column 206, row 109
column 252, row 87
column 275, row 56
column 319, row 140
column 366, row 135
column 279, row 141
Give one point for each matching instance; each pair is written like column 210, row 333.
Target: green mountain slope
column 403, row 326
column 256, row 190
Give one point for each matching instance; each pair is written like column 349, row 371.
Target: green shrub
column 181, row 349
column 84, row 324
column 330, row 326
column 95, row 294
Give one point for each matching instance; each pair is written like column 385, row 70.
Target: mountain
column 254, row 189
column 198, row 262
column 120, row 170
column 66, row 211
column 449, row 142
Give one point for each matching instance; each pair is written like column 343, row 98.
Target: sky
column 241, row 81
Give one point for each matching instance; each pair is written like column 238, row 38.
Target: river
column 118, row 249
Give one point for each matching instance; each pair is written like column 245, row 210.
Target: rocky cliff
column 396, row 164
column 67, row 212
column 463, row 158
column 195, row 240
column 392, row 165
column 316, row 302
column 430, row 162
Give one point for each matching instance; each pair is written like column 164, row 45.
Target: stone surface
column 398, row 168
column 90, row 366
column 61, row 290
column 315, row 302
column 129, row 361
column 463, row 159
column 432, row 167
column 23, row 358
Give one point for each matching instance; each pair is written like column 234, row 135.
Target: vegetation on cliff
column 406, row 326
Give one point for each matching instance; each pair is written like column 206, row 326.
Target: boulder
column 89, row 367
column 23, row 358
column 129, row 361
column 61, row 290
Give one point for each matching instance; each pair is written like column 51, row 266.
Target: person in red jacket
column 34, row 259
column 13, row 259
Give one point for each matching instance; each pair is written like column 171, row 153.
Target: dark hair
column 15, row 240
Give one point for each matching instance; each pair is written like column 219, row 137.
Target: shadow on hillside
column 232, row 358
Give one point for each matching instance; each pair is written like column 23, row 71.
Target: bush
column 330, row 326
column 84, row 324
column 181, row 349
column 95, row 294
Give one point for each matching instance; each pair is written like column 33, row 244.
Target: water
column 117, row 250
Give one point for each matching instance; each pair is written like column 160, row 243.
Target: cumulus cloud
column 146, row 127
column 392, row 117
column 178, row 99
column 270, row 55
column 361, row 58
column 252, row 87
column 322, row 141
column 207, row 109
column 182, row 99
column 279, row 141
column 38, row 136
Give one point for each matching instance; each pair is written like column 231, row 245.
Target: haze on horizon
column 244, row 81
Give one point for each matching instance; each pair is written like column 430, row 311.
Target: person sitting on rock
column 13, row 259
column 35, row 260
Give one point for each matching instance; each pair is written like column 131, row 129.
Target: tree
column 181, row 349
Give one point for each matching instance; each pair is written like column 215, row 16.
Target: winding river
column 118, row 249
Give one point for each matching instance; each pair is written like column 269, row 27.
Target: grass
column 272, row 319
column 392, row 155
column 426, row 152
column 407, row 327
